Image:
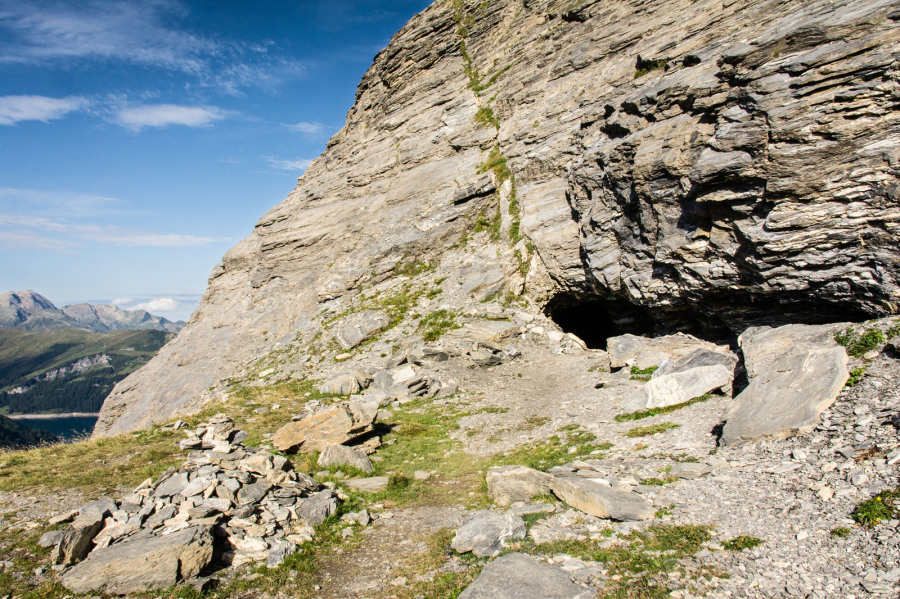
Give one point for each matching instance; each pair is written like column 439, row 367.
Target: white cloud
column 160, row 304
column 121, row 301
column 313, row 129
column 151, row 33
column 31, row 240
column 14, row 109
column 110, row 234
column 288, row 165
column 163, row 115
column 59, row 203
column 139, row 32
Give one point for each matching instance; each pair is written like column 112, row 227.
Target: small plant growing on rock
column 434, row 325
column 643, row 374
column 856, row 375
column 859, row 345
column 644, row 65
column 883, row 506
column 742, row 542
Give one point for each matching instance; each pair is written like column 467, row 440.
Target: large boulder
column 139, row 565
column 333, row 425
column 508, row 484
column 520, row 576
column 795, row 372
column 678, row 387
column 486, row 533
column 341, row 455
column 644, row 352
column 602, row 501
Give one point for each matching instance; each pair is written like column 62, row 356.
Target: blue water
column 67, row 427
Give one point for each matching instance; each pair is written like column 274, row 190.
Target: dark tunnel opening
column 594, row 320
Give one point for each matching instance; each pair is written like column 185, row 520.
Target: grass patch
column 434, row 325
column 642, row 374
column 742, row 542
column 640, row 415
column 485, row 117
column 653, row 429
column 643, row 564
column 658, row 482
column 884, row 506
column 857, row 345
column 840, row 532
column 554, row 451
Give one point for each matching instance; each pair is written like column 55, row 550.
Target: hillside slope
column 688, row 165
column 68, row 370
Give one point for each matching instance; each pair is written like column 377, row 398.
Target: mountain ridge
column 31, row 311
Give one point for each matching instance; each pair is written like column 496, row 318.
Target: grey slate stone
column 600, row 500
column 486, row 533
column 149, row 563
column 340, row 455
column 519, row 576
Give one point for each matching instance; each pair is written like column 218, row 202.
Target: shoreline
column 53, row 416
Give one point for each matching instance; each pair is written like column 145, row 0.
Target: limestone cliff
column 699, row 165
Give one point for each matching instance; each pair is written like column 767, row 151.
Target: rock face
column 795, row 373
column 751, row 180
column 508, row 484
column 678, row 387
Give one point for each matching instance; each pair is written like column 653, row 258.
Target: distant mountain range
column 30, row 311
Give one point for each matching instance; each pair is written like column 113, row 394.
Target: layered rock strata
column 715, row 165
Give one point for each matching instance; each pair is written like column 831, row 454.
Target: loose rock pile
column 227, row 505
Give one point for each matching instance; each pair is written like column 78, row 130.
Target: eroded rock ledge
column 704, row 165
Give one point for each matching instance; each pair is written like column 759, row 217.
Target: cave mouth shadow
column 594, row 320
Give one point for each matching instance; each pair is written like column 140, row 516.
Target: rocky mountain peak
column 623, row 168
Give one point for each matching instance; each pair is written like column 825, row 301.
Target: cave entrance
column 594, row 320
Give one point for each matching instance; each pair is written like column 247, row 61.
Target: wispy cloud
column 311, row 129
column 164, row 115
column 299, row 164
column 159, row 304
column 65, row 204
column 24, row 225
column 137, row 32
column 121, row 301
column 149, row 33
column 35, row 241
column 15, row 109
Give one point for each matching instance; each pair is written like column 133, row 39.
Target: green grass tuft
column 742, row 542
column 653, row 429
column 640, row 415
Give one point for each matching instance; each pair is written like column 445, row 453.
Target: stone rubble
column 248, row 502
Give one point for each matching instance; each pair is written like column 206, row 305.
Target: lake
column 64, row 427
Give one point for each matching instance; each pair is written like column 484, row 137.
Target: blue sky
column 140, row 139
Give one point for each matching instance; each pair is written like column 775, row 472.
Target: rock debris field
column 769, row 498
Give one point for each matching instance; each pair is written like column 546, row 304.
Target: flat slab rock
column 519, row 576
column 143, row 564
column 601, row 501
column 795, row 371
column 486, row 532
column 334, row 425
column 678, row 387
column 509, row 484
